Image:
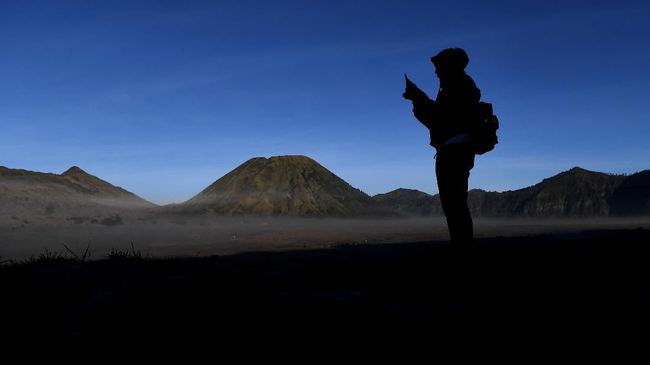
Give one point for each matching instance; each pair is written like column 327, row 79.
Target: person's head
column 450, row 61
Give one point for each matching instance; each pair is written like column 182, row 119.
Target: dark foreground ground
column 595, row 283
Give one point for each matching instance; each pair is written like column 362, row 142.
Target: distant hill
column 281, row 185
column 27, row 196
column 573, row 193
column 410, row 202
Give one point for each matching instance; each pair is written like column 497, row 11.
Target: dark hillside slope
column 632, row 197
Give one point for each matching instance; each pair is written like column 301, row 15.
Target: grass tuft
column 80, row 258
column 117, row 254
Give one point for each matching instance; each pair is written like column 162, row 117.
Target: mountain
column 102, row 191
column 34, row 196
column 573, row 193
column 281, row 185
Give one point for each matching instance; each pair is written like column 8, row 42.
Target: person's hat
column 451, row 58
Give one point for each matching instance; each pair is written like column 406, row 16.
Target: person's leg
column 452, row 171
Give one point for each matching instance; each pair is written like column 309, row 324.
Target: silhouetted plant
column 85, row 256
column 47, row 256
column 117, row 254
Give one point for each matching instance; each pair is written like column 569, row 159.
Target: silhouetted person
column 450, row 119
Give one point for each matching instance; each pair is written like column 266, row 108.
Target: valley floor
column 169, row 236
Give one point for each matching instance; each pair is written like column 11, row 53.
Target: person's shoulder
column 468, row 80
column 469, row 84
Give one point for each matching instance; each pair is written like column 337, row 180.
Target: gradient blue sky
column 162, row 98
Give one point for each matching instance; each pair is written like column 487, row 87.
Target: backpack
column 485, row 131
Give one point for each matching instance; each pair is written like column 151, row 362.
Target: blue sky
column 162, row 98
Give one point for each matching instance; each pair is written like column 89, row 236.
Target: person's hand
column 411, row 91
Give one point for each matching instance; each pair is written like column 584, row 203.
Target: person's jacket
column 454, row 111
